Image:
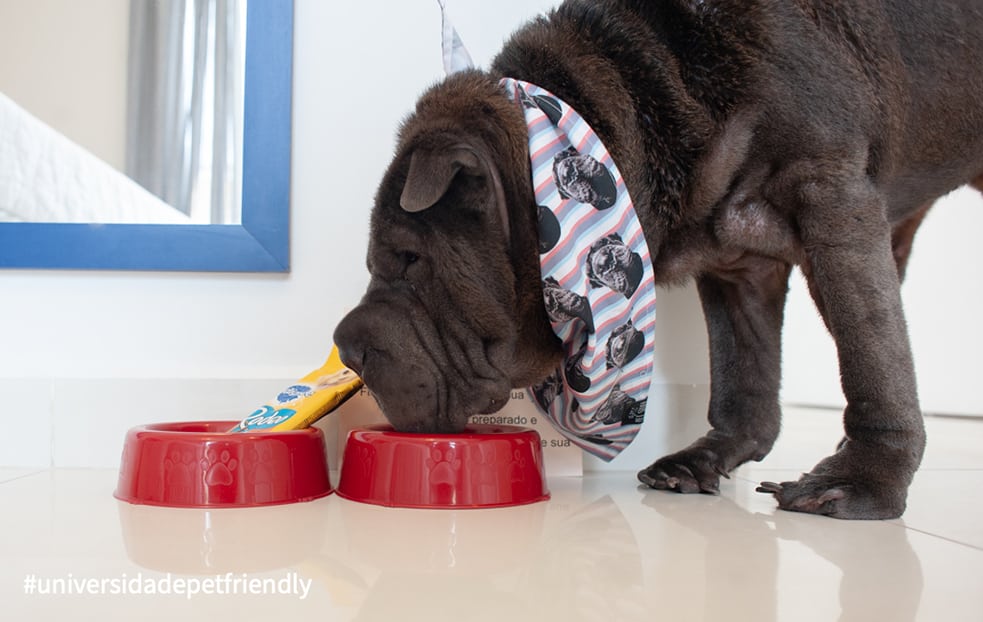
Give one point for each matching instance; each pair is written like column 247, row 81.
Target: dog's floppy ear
column 431, row 173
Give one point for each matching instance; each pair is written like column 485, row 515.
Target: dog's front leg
column 854, row 278
column 743, row 305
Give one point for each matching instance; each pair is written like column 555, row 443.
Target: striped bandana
column 598, row 283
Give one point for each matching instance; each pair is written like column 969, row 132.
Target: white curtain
column 184, row 109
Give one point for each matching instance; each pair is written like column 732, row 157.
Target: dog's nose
column 349, row 337
column 350, row 360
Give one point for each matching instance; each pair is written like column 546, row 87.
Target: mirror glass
column 132, row 130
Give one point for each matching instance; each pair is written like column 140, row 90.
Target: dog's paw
column 699, row 467
column 837, row 497
column 688, row 471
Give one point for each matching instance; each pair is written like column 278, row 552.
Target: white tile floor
column 600, row 549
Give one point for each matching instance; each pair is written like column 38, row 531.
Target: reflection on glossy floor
column 600, row 549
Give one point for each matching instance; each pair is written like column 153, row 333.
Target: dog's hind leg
column 853, row 271
column 743, row 303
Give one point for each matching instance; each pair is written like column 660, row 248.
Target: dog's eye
column 409, row 257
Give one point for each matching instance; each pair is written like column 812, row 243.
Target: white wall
column 85, row 355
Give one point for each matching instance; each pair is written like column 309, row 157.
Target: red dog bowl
column 199, row 464
column 485, row 466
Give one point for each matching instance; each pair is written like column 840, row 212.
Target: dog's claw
column 837, row 497
column 684, row 474
column 769, row 488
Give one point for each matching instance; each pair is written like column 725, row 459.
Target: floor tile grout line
column 921, row 470
column 22, row 476
column 940, row 537
column 899, row 522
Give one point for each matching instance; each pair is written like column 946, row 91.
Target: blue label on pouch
column 266, row 417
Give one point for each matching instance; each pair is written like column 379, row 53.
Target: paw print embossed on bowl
column 484, row 466
column 199, row 464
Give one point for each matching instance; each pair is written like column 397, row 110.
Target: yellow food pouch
column 303, row 403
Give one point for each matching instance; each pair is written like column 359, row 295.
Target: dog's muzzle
column 404, row 360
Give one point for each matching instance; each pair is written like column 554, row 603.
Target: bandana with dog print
column 598, row 283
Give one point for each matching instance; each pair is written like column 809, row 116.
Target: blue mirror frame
column 260, row 244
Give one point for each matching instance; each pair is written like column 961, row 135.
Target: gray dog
column 753, row 135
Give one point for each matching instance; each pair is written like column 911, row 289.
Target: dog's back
column 904, row 78
column 941, row 46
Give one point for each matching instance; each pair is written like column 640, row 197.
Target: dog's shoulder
column 655, row 80
column 715, row 48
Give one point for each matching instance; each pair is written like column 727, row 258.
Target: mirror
column 247, row 234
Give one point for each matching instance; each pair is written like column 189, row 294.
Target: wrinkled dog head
column 436, row 337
